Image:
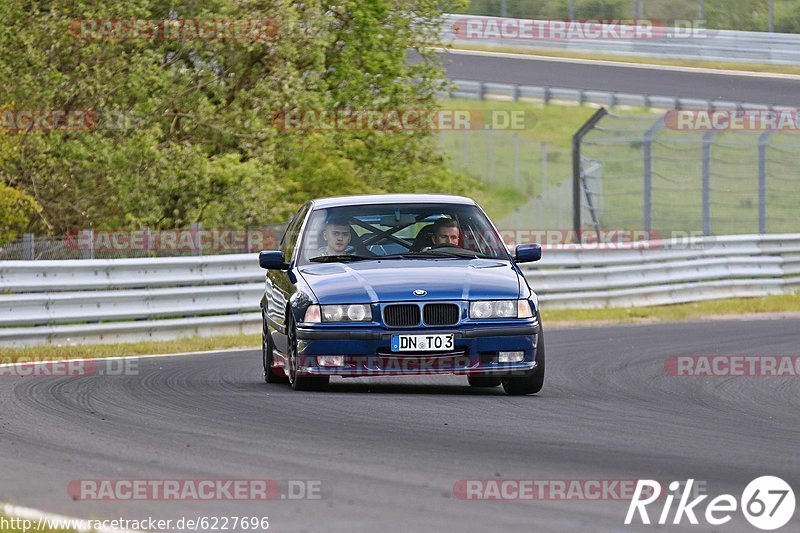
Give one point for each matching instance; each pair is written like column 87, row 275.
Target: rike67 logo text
column 767, row 502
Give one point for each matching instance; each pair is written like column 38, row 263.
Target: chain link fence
column 640, row 172
column 536, row 174
column 637, row 173
column 649, row 175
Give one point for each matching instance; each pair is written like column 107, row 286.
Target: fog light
column 330, row 360
column 510, row 357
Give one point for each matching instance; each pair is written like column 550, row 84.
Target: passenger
column 337, row 236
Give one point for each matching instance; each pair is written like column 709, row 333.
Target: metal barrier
column 708, row 44
column 668, row 272
column 483, row 90
column 124, row 300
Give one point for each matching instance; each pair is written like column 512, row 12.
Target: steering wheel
column 447, row 245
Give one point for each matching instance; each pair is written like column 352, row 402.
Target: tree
column 17, row 208
column 183, row 129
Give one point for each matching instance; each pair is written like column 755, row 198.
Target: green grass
column 694, row 63
column 490, row 157
column 193, row 344
column 677, row 179
column 497, row 199
column 734, row 307
column 551, row 318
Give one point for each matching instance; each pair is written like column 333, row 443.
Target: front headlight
column 500, row 309
column 342, row 313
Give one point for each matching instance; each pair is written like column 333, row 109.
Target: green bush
column 17, row 210
column 200, row 143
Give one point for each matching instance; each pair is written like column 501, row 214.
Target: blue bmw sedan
column 381, row 285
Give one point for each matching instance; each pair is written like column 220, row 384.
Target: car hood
column 396, row 280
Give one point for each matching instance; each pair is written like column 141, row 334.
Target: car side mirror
column 528, row 253
column 274, row 260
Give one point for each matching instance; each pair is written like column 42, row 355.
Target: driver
column 337, row 235
column 446, row 231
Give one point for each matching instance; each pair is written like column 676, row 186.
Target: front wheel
column 267, row 355
column 482, row 381
column 297, row 381
column 528, row 384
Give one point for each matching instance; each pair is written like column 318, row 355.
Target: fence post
column 648, row 173
column 543, row 155
column 148, row 242
column 763, row 141
column 481, row 90
column 576, row 167
column 708, row 138
column 195, row 228
column 490, row 155
column 28, row 246
column 465, row 149
column 87, row 237
column 516, row 161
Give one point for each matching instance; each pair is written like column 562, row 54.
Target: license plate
column 423, row 343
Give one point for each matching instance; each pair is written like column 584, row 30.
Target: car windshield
column 392, row 231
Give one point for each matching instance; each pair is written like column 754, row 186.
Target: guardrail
column 483, row 90
column 123, row 300
column 668, row 272
column 709, row 44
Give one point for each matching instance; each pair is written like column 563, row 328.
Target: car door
column 280, row 284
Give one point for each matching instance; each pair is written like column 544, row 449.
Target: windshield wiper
column 416, row 255
column 344, row 258
column 438, row 254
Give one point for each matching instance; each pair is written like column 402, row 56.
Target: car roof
column 368, row 199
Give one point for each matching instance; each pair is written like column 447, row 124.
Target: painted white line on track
column 43, row 519
column 609, row 63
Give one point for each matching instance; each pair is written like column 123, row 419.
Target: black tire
column 270, row 376
column 528, row 384
column 308, row 383
column 483, row 381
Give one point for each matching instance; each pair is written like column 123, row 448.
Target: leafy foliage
column 16, row 209
column 186, row 128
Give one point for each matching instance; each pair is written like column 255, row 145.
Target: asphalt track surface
column 389, row 451
column 599, row 77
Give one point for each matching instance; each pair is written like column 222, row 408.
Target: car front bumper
column 368, row 352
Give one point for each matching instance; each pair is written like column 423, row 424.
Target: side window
column 286, row 231
column 290, row 237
